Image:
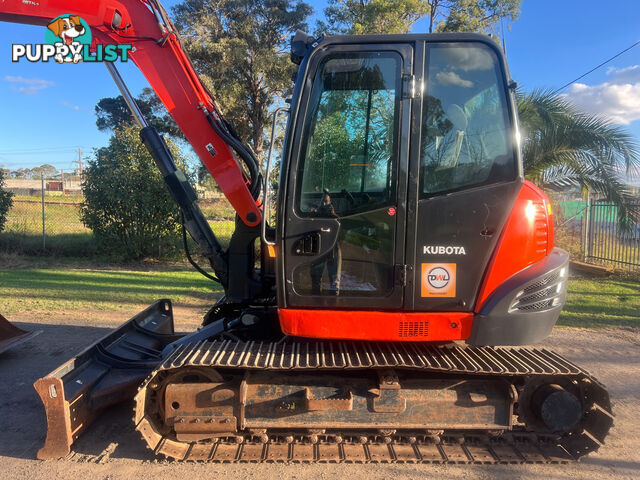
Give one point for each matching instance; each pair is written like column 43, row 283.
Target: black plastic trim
column 500, row 320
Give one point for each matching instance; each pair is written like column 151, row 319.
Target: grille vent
column 541, row 295
column 532, row 307
column 413, row 329
column 552, row 277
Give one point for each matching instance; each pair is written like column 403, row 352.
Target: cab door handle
column 308, row 244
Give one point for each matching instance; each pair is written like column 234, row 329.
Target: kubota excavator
column 377, row 321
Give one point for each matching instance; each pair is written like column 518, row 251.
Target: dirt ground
column 111, row 449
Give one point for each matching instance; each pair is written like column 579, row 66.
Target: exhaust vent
column 413, row 329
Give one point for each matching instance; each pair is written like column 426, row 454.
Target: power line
column 40, row 150
column 595, row 68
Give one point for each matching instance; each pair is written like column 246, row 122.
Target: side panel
column 526, row 239
column 457, row 233
column 464, row 174
column 524, row 309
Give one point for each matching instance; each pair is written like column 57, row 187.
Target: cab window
column 466, row 136
column 349, row 146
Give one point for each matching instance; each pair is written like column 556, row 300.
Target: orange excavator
column 383, row 315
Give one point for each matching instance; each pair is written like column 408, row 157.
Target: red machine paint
column 378, row 326
column 526, row 239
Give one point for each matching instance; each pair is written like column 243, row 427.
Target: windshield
column 466, row 135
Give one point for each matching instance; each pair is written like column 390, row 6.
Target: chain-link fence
column 220, row 215
column 46, row 218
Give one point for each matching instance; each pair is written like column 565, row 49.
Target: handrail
column 265, row 191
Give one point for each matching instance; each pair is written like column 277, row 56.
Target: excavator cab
column 382, row 136
column 401, row 169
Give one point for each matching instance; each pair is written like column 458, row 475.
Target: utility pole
column 79, row 162
column 504, row 42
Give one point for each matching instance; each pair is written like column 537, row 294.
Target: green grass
column 71, row 245
column 218, row 208
column 25, row 217
column 27, row 290
column 69, row 198
column 602, row 302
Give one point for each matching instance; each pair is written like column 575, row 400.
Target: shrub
column 5, row 201
column 127, row 204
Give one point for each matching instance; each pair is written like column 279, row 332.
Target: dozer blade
column 10, row 335
column 105, row 373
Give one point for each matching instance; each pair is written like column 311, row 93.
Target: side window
column 349, row 147
column 466, row 134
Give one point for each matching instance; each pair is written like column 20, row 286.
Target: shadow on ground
column 23, row 422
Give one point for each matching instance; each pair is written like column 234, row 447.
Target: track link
column 460, row 450
column 522, row 444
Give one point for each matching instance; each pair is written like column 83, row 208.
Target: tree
column 127, row 205
column 20, row 173
column 46, row 171
column 239, row 48
column 398, row 16
column 372, row 16
column 563, row 147
column 5, row 201
column 470, row 15
column 113, row 112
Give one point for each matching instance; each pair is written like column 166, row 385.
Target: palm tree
column 564, row 147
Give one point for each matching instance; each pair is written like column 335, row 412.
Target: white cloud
column 618, row 98
column 624, row 75
column 64, row 103
column 28, row 86
column 452, row 78
column 467, row 59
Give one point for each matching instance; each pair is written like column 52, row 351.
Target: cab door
column 344, row 219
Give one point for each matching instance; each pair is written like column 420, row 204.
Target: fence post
column 43, row 224
column 587, row 232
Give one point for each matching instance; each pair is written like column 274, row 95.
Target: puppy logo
column 72, row 32
column 67, row 39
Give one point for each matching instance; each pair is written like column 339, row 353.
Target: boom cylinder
column 186, row 198
column 179, row 187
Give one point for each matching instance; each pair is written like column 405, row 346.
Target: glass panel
column 349, row 152
column 361, row 264
column 348, row 171
column 466, row 138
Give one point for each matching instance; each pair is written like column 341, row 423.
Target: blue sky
column 46, row 109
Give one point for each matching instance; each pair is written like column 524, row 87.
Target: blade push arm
column 158, row 52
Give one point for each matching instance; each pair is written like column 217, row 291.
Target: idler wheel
column 557, row 408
